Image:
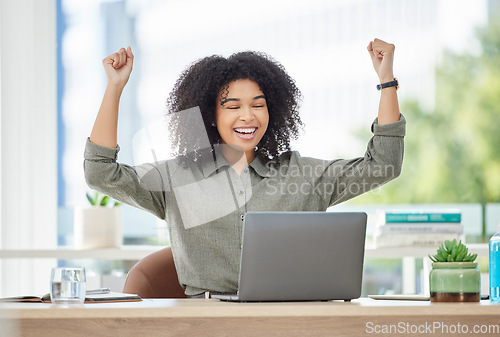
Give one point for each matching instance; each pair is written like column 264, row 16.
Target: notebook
column 104, row 297
column 301, row 256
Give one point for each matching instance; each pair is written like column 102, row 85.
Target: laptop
column 301, row 256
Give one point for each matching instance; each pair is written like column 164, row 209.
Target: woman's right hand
column 118, row 67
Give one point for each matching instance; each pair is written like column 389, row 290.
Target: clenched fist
column 118, row 67
column 382, row 54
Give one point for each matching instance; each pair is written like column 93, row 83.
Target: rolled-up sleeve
column 340, row 180
column 381, row 163
column 386, row 147
column 121, row 182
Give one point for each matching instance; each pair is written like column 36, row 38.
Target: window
column 322, row 45
column 28, row 139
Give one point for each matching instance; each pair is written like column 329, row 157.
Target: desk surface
column 193, row 317
column 138, row 252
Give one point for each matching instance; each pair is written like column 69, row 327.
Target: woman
column 248, row 106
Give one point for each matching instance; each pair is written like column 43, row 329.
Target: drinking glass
column 67, row 285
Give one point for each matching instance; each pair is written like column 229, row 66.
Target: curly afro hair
column 201, row 83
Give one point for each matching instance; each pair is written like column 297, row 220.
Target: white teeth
column 252, row 130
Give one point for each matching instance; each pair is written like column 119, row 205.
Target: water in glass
column 67, row 285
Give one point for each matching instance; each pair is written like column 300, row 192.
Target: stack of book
column 417, row 228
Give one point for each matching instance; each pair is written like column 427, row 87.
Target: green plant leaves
column 104, row 201
column 450, row 251
column 99, row 199
column 90, row 199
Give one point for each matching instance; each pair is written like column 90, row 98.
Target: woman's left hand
column 382, row 54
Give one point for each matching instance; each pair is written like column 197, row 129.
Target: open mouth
column 245, row 133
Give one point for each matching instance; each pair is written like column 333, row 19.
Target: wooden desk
column 131, row 253
column 192, row 317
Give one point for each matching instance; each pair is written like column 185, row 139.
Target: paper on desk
column 89, row 298
column 400, row 297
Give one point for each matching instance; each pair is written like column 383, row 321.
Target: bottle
column 494, row 265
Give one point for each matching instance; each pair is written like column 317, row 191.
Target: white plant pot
column 98, row 227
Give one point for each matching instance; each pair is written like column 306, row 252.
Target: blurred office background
column 444, row 57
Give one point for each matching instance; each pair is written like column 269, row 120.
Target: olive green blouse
column 204, row 202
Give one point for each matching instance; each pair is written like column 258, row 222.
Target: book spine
column 423, row 217
column 405, row 240
column 421, row 228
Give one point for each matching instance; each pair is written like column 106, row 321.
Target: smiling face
column 242, row 116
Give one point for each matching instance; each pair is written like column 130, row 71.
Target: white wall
column 28, row 140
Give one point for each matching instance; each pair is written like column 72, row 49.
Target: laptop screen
column 302, row 256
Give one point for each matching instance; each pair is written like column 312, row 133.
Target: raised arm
column 382, row 54
column 337, row 181
column 102, row 172
column 118, row 67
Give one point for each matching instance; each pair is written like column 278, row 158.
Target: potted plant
column 454, row 276
column 98, row 225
